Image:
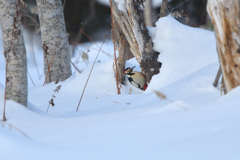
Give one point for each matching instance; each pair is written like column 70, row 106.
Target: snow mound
column 183, row 49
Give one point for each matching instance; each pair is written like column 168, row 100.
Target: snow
column 121, row 5
column 128, row 126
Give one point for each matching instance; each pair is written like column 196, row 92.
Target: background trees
column 76, row 13
column 54, row 40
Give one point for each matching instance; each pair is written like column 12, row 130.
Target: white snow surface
column 194, row 123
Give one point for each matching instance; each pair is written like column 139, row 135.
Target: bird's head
column 128, row 70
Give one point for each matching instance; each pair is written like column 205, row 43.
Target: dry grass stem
column 51, row 102
column 50, row 64
column 17, row 129
column 162, row 96
column 31, row 78
column 126, row 106
column 115, row 68
column 91, row 72
column 72, row 42
column 75, row 67
column 91, row 39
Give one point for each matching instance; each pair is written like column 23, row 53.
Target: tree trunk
column 163, row 8
column 14, row 51
column 148, row 13
column 54, row 40
column 124, row 52
column 136, row 33
column 225, row 17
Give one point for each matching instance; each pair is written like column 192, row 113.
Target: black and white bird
column 137, row 79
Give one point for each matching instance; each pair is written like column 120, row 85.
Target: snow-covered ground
column 194, row 123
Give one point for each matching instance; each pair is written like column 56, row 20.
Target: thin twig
column 215, row 83
column 30, row 78
column 30, row 17
column 50, row 64
column 12, row 126
column 64, row 2
column 89, row 38
column 75, row 67
column 115, row 56
column 125, row 107
column 180, row 4
column 6, row 81
column 91, row 72
column 72, row 42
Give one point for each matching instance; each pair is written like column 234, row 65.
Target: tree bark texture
column 124, row 52
column 163, row 8
column 136, row 33
column 225, row 17
column 54, row 39
column 14, row 52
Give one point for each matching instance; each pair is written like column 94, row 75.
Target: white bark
column 14, row 51
column 54, row 40
column 225, row 16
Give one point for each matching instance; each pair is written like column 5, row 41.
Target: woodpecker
column 137, row 79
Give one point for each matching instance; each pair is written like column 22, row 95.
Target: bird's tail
column 145, row 86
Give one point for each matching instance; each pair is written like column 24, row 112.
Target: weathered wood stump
column 131, row 38
column 225, row 17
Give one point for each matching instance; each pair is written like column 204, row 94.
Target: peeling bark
column 225, row 17
column 121, row 58
column 54, row 40
column 14, row 52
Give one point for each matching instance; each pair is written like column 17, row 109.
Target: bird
column 137, row 79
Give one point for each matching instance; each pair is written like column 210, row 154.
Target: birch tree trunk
column 14, row 51
column 54, row 40
column 225, row 15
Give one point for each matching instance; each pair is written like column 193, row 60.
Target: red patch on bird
column 145, row 86
column 124, row 72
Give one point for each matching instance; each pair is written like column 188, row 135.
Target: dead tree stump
column 225, row 17
column 131, row 28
